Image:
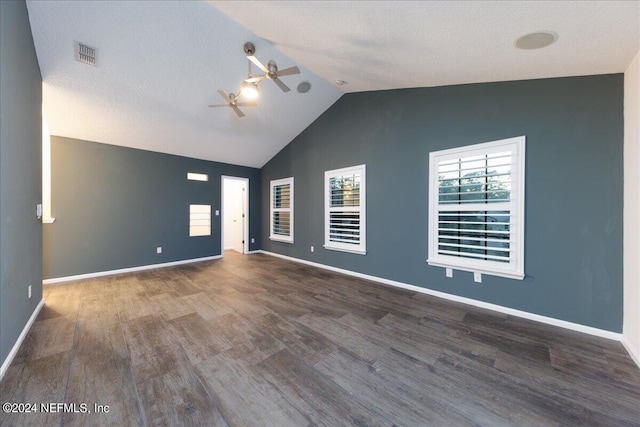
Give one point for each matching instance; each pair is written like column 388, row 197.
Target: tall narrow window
column 282, row 210
column 199, row 220
column 345, row 217
column 476, row 208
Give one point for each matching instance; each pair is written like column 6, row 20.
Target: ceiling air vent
column 85, row 54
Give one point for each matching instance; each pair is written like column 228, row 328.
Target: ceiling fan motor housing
column 249, row 49
column 273, row 70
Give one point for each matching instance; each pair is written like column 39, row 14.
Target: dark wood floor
column 259, row 341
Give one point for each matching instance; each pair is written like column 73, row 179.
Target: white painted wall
column 631, row 326
column 232, row 214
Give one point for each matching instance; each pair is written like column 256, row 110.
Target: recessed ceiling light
column 304, row 87
column 341, row 82
column 536, row 40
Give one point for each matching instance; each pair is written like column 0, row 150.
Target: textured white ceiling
column 161, row 62
column 398, row 44
column 159, row 65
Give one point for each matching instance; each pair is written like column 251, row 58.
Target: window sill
column 283, row 240
column 351, row 251
column 507, row 274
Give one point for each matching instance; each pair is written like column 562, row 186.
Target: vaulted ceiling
column 160, row 63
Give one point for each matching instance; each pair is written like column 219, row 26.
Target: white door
column 233, row 213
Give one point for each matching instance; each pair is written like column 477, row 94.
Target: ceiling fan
column 271, row 71
column 232, row 101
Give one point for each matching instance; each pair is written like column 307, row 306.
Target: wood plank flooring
column 259, row 341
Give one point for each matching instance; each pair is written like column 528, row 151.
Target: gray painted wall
column 574, row 194
column 20, row 173
column 114, row 205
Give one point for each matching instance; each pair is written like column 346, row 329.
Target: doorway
column 235, row 215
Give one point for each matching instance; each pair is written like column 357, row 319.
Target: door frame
column 245, row 209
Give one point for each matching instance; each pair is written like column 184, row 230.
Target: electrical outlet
column 449, row 272
column 312, row 249
column 159, row 250
column 217, row 212
column 253, row 240
column 477, row 277
column 29, row 291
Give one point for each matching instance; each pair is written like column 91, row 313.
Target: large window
column 282, row 210
column 345, row 210
column 476, row 208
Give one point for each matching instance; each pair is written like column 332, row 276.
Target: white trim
column 23, row 335
column 481, row 304
column 351, row 251
column 127, row 270
column 361, row 209
column 199, row 230
column 48, row 220
column 257, row 251
column 245, row 232
column 490, row 272
column 633, row 352
column 274, row 183
column 514, row 269
column 195, row 176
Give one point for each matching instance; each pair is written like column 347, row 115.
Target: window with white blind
column 199, row 220
column 282, row 210
column 345, row 210
column 476, row 208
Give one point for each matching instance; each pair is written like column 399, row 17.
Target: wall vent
column 85, row 54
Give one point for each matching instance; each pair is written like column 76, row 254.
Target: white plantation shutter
column 199, row 220
column 476, row 208
column 282, row 210
column 345, row 209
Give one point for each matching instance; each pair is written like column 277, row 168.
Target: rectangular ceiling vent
column 85, row 54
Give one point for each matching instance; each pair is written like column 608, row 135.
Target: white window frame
column 195, row 176
column 514, row 269
column 272, row 210
column 361, row 247
column 199, row 220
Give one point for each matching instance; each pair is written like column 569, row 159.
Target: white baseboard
column 632, row 350
column 23, row 334
column 127, row 270
column 254, row 252
column 481, row 304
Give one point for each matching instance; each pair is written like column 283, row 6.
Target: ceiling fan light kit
column 232, row 102
column 249, row 90
column 249, row 86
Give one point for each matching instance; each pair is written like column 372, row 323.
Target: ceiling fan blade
column 258, row 63
column 289, row 71
column 219, row 105
column 237, row 110
column 247, row 104
column 255, row 79
column 281, row 85
column 224, row 95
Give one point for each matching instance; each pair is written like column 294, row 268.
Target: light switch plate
column 449, row 272
column 159, row 250
column 477, row 277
